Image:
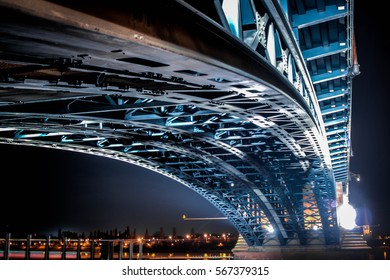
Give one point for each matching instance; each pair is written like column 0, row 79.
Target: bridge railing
column 54, row 248
column 70, row 248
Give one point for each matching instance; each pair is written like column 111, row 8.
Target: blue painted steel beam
column 330, row 95
column 335, row 121
column 324, row 51
column 313, row 17
column 335, row 109
column 331, row 75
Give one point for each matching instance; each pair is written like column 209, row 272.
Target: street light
column 346, row 213
column 354, row 176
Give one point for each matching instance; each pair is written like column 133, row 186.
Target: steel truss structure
column 246, row 102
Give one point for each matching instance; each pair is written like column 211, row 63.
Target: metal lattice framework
column 245, row 102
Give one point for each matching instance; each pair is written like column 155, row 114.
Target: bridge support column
column 47, row 248
column 63, row 255
column 28, row 247
column 78, row 249
column 93, row 249
column 140, row 251
column 120, row 251
column 7, row 248
column 302, row 253
column 294, row 251
column 131, row 248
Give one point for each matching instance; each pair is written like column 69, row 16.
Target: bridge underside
column 163, row 86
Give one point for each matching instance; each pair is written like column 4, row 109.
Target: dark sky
column 370, row 127
column 86, row 193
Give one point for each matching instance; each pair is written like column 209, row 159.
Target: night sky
column 370, row 127
column 44, row 189
column 78, row 192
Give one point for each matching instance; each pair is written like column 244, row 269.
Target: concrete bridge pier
column 352, row 247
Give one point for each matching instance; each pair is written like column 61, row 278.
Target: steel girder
column 324, row 30
column 220, row 100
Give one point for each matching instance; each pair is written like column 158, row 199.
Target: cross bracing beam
column 215, row 97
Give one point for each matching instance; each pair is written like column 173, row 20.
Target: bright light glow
column 270, row 229
column 347, row 215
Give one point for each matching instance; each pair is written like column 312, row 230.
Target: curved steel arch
column 224, row 103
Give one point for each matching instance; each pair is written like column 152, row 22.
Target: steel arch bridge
column 246, row 102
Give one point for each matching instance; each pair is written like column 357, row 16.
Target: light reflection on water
column 189, row 256
column 376, row 254
column 57, row 255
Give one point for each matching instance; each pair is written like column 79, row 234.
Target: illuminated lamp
column 347, row 215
